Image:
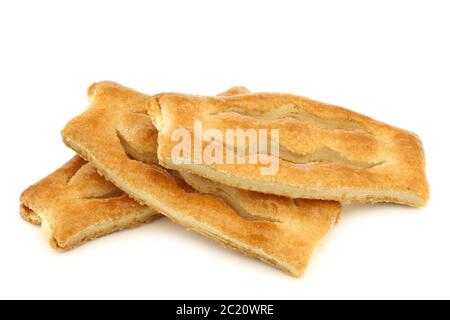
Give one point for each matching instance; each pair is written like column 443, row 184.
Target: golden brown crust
column 277, row 230
column 75, row 204
column 326, row 152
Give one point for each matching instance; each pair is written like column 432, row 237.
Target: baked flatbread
column 115, row 134
column 325, row 152
column 75, row 204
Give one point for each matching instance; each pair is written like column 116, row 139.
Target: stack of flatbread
column 126, row 173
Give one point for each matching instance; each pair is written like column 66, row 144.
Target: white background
column 387, row 59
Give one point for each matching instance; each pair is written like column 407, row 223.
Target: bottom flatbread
column 75, row 204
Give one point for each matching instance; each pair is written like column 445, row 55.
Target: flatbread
column 75, row 204
column 325, row 152
column 277, row 230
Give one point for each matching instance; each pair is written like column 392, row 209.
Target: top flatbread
column 326, row 152
column 277, row 230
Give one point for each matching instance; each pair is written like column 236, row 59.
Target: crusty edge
column 350, row 195
column 91, row 233
column 174, row 216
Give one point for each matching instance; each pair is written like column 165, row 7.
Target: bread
column 75, row 204
column 115, row 133
column 326, row 152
